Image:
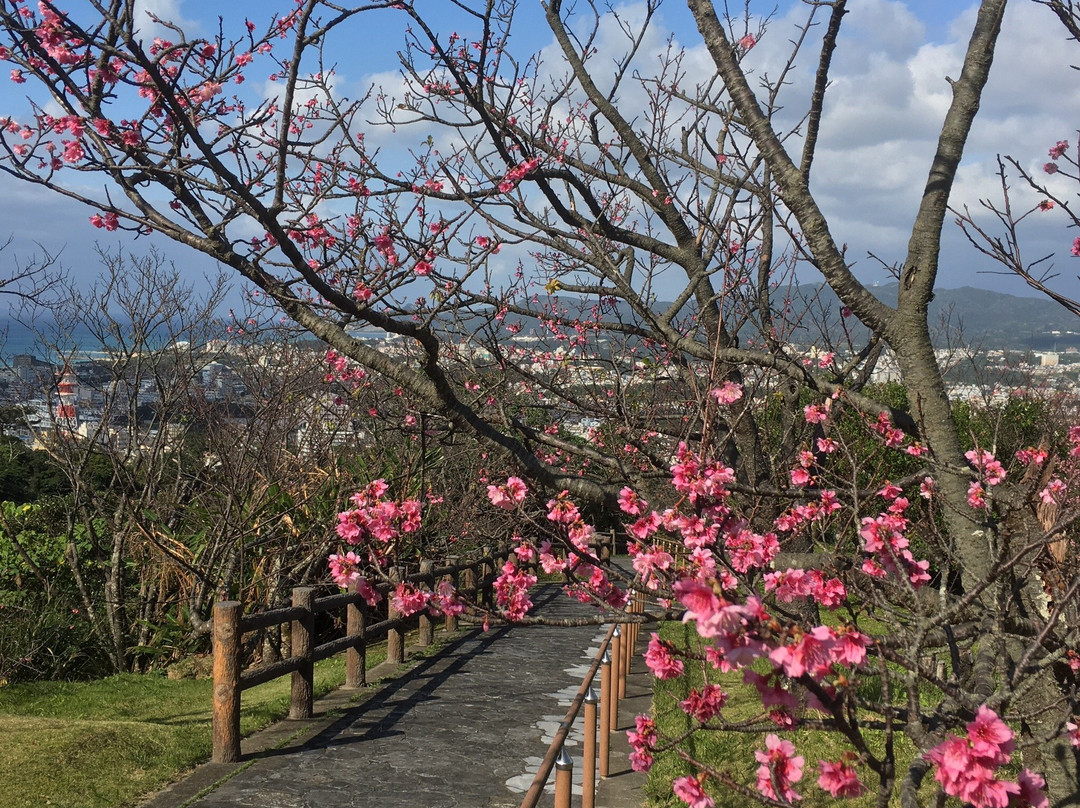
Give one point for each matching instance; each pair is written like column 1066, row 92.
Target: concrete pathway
column 466, row 727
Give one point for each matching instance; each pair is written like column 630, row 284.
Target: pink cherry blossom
column 811, row 653
column 976, row 496
column 705, row 703
column 630, row 503
column 512, row 591
column 509, row 495
column 642, row 740
column 689, row 790
column 727, row 393
column 660, row 660
column 780, row 767
column 800, row 477
column 345, row 569
column 408, row 599
column 561, row 509
column 648, row 563
column 698, row 598
column 987, row 465
column 817, row 413
column 990, row 736
column 1053, row 491
column 1073, row 732
column 445, row 600
column 1031, row 793
column 1032, row 455
column 968, row 767
column 839, row 779
column 850, row 646
column 204, row 92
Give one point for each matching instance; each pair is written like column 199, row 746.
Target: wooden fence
column 475, row 577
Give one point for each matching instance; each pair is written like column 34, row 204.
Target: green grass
column 105, row 743
column 734, row 752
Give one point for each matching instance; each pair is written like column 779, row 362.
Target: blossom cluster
column 346, row 569
column 508, row 495
column 968, row 767
column 516, row 174
column 512, row 590
column 378, row 518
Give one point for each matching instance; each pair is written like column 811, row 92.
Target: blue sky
column 887, row 99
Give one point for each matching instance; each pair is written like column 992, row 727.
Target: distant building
column 887, row 369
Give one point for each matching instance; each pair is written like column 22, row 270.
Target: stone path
column 465, row 727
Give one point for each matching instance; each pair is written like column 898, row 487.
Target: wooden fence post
column 469, row 583
column 635, row 629
column 226, row 720
column 616, row 675
column 627, row 655
column 395, row 636
column 564, row 779
column 588, row 760
column 451, row 619
column 605, row 712
column 487, row 576
column 426, row 633
column 303, row 642
column 356, row 657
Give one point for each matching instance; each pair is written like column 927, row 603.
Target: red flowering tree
column 868, row 573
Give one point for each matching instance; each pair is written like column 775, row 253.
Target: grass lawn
column 734, row 752
column 103, row 744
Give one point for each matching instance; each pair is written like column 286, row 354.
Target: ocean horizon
column 47, row 344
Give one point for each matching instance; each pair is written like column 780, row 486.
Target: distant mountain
column 999, row 320
column 979, row 317
column 974, row 317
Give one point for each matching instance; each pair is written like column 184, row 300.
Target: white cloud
column 146, row 11
column 884, row 108
column 884, row 28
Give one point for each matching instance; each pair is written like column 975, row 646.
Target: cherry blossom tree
column 549, row 202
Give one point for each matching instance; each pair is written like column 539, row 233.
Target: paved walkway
column 466, row 727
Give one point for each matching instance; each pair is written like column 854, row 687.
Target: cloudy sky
column 882, row 113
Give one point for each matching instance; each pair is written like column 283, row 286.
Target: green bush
column 44, row 632
column 43, row 639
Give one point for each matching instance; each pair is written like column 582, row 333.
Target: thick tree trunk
column 930, row 404
column 1055, row 759
column 114, row 604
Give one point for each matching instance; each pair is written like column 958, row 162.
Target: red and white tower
column 67, row 390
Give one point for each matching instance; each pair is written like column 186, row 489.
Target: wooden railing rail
column 476, row 575
column 613, row 661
